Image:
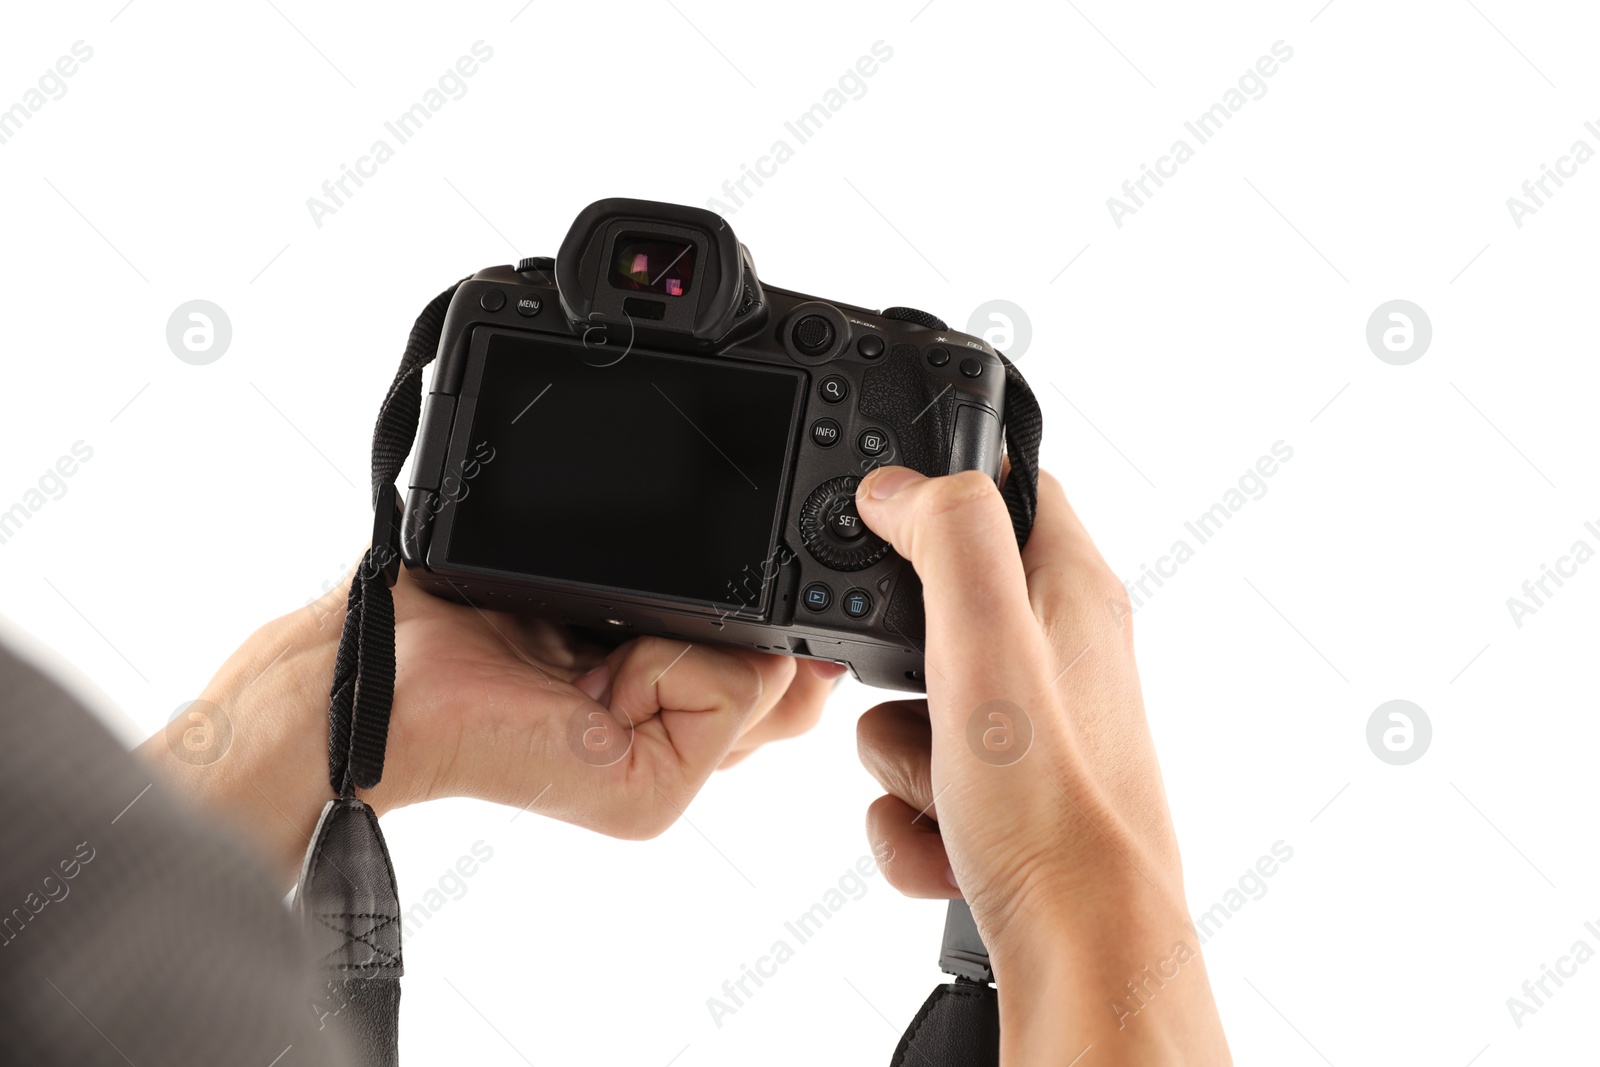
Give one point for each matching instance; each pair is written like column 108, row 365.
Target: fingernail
column 887, row 481
column 950, row 876
column 827, row 669
column 594, row 682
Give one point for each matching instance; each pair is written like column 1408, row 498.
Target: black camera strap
column 347, row 898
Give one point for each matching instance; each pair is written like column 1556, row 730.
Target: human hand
column 487, row 705
column 1028, row 778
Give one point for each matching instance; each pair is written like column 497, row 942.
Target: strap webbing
column 350, row 904
column 1024, row 431
column 363, row 673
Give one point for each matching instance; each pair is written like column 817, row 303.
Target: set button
column 825, row 433
column 844, row 520
column 817, row 596
column 832, row 531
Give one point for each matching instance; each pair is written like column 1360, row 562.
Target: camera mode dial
column 833, row 532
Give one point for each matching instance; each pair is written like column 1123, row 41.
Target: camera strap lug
column 963, row 953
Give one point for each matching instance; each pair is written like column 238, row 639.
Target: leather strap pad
column 958, row 1026
column 349, row 904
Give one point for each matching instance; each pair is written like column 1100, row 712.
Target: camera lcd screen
column 652, row 265
column 658, row 474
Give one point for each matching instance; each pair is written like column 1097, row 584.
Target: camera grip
column 936, row 436
column 912, row 403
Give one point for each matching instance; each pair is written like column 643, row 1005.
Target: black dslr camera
column 640, row 437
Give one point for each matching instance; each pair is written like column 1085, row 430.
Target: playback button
column 817, row 596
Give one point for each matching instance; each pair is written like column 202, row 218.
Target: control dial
column 833, row 532
column 921, row 318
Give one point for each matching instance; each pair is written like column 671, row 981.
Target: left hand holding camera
column 486, row 705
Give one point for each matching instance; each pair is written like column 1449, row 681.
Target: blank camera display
column 656, row 474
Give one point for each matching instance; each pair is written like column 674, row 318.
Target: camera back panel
column 583, row 472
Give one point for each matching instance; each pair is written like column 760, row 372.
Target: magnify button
column 834, row 388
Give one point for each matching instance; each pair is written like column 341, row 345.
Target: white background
column 1227, row 314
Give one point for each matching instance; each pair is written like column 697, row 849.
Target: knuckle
column 650, row 648
column 736, row 679
column 960, row 493
column 642, row 818
column 1103, row 585
column 896, row 874
column 1067, row 597
column 655, row 822
column 916, row 788
column 1107, row 589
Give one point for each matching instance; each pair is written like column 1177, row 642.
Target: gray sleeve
column 130, row 931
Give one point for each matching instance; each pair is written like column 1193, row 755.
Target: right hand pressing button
column 1027, row 781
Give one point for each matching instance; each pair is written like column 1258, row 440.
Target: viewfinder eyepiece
column 669, row 275
column 652, row 265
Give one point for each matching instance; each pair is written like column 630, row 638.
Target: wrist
column 1126, row 978
column 253, row 749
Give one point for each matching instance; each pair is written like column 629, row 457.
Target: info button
column 825, row 433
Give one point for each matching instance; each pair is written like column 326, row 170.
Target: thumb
column 983, row 640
